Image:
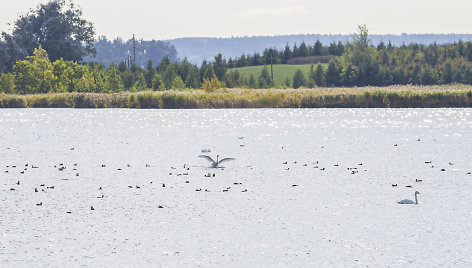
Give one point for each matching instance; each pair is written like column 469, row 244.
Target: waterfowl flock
column 353, row 170
column 28, row 174
column 277, row 196
column 39, row 187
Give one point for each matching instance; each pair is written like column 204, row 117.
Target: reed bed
column 362, row 97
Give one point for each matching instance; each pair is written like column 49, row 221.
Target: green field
column 281, row 72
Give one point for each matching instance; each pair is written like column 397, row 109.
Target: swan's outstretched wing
column 226, row 159
column 207, row 158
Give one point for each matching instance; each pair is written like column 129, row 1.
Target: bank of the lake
column 370, row 97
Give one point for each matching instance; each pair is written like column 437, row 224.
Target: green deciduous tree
column 58, row 26
column 58, row 69
column 42, row 69
column 35, row 73
column 158, row 83
column 7, row 83
column 113, row 80
column 140, row 83
column 362, row 55
column 24, row 77
column 178, row 83
column 213, row 84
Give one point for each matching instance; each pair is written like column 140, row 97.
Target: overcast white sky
column 167, row 19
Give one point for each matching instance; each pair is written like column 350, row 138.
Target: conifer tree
column 264, row 80
column 319, row 76
column 317, row 49
column 252, row 82
column 299, row 79
column 287, row 54
column 332, row 75
column 303, row 50
column 149, row 73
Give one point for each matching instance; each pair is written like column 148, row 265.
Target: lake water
column 332, row 204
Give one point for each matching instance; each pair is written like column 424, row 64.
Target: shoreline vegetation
column 445, row 96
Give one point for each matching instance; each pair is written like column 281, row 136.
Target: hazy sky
column 167, row 19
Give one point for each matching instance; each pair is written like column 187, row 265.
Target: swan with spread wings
column 214, row 164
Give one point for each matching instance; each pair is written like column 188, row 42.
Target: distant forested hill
column 117, row 50
column 197, row 49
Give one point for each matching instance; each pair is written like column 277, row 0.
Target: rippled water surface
column 332, row 203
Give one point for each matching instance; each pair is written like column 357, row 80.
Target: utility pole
column 271, row 68
column 128, row 60
column 134, row 50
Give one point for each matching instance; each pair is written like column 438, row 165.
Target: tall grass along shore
column 362, row 97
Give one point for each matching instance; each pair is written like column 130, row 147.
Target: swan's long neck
column 416, row 198
column 217, row 158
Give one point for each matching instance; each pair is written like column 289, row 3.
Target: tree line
column 38, row 74
column 272, row 55
column 363, row 64
column 46, row 49
column 199, row 48
column 360, row 64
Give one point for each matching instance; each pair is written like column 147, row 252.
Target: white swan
column 214, row 164
column 408, row 201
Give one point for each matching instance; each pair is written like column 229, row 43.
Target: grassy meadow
column 281, row 72
column 363, row 97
